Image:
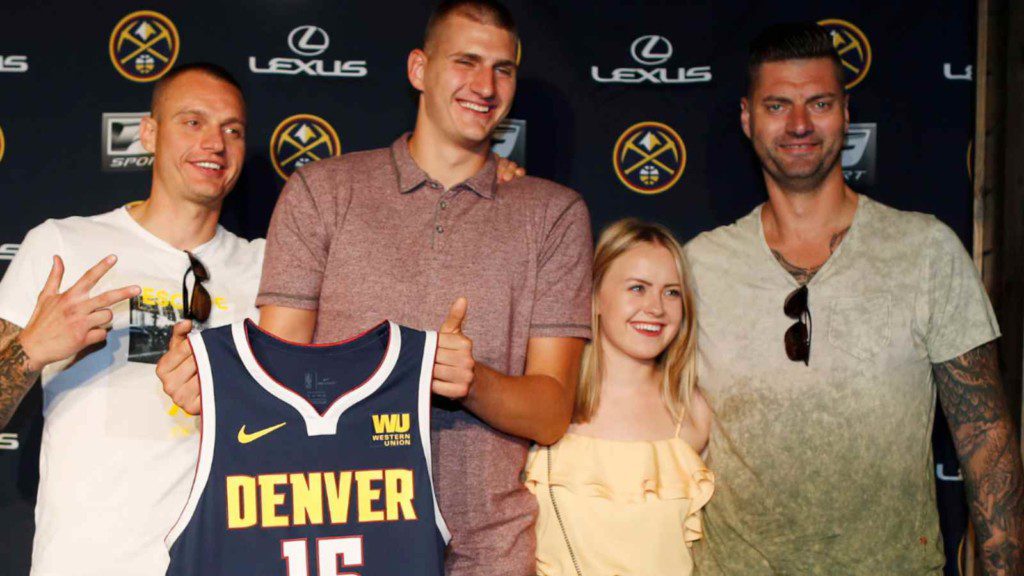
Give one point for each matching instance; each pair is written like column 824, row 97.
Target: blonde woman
column 621, row 492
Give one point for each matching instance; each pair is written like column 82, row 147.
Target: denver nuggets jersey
column 314, row 460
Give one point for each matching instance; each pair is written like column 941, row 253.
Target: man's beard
column 803, row 180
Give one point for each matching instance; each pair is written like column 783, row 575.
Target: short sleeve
column 960, row 317
column 27, row 273
column 295, row 255
column 562, row 305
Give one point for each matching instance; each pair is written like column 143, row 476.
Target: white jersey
column 117, row 456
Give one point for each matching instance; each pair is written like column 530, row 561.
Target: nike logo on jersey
column 244, row 438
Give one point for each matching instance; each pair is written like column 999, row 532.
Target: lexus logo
column 308, row 41
column 651, row 50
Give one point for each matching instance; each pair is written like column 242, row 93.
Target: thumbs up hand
column 453, row 364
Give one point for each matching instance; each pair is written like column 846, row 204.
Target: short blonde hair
column 678, row 361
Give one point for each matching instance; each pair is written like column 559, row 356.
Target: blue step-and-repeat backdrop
column 635, row 104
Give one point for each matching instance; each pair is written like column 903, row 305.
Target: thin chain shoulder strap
column 558, row 515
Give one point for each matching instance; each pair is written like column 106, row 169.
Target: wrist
column 30, row 352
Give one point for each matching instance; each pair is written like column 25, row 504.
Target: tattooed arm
column 16, row 373
column 988, row 447
column 62, row 325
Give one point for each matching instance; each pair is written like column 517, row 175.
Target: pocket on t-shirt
column 861, row 326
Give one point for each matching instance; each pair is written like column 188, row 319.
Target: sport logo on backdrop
column 509, row 140
column 652, row 50
column 853, row 47
column 144, row 45
column 649, row 157
column 13, row 64
column 302, row 139
column 122, row 150
column 859, row 154
column 309, row 41
column 3, row 144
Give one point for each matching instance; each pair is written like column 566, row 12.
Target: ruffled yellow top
column 628, row 507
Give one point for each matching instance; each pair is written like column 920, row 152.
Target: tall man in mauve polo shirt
column 403, row 232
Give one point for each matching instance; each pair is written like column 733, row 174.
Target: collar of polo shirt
column 411, row 177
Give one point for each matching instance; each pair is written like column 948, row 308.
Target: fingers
column 179, row 352
column 453, row 375
column 449, row 390
column 456, row 314
column 180, row 380
column 187, row 396
column 111, row 297
column 52, row 284
column 453, row 365
column 93, row 275
column 95, row 336
column 195, row 405
column 509, row 170
column 179, row 334
column 98, row 319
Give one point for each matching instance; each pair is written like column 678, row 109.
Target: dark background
column 51, row 120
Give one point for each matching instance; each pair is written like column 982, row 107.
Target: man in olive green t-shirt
column 828, row 322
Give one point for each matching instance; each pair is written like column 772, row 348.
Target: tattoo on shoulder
column 988, row 447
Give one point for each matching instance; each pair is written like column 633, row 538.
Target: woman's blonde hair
column 677, row 362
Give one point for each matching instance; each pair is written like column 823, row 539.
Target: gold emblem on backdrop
column 649, row 157
column 853, row 47
column 301, row 139
column 144, row 46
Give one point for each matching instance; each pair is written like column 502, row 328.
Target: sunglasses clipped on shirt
column 798, row 336
column 197, row 307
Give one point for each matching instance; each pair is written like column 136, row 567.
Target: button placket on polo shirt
column 442, row 218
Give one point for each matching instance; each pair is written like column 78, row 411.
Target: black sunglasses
column 198, row 307
column 798, row 337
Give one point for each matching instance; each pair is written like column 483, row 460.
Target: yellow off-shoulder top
column 627, row 507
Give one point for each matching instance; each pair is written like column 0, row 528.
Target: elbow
column 556, row 425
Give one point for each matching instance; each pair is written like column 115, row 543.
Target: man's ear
column 416, row 68
column 147, row 133
column 745, row 115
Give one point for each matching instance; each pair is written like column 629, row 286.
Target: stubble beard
column 803, row 181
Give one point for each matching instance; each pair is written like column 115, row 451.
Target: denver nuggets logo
column 2, row 144
column 144, row 46
column 302, row 139
column 853, row 47
column 649, row 157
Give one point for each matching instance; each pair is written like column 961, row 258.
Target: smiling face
column 467, row 77
column 197, row 136
column 639, row 303
column 796, row 117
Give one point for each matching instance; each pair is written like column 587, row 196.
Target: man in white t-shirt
column 117, row 455
column 828, row 324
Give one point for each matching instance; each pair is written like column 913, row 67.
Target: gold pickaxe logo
column 302, row 139
column 144, row 46
column 853, row 48
column 649, row 157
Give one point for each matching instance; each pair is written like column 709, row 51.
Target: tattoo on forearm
column 988, row 447
column 16, row 377
column 804, row 275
